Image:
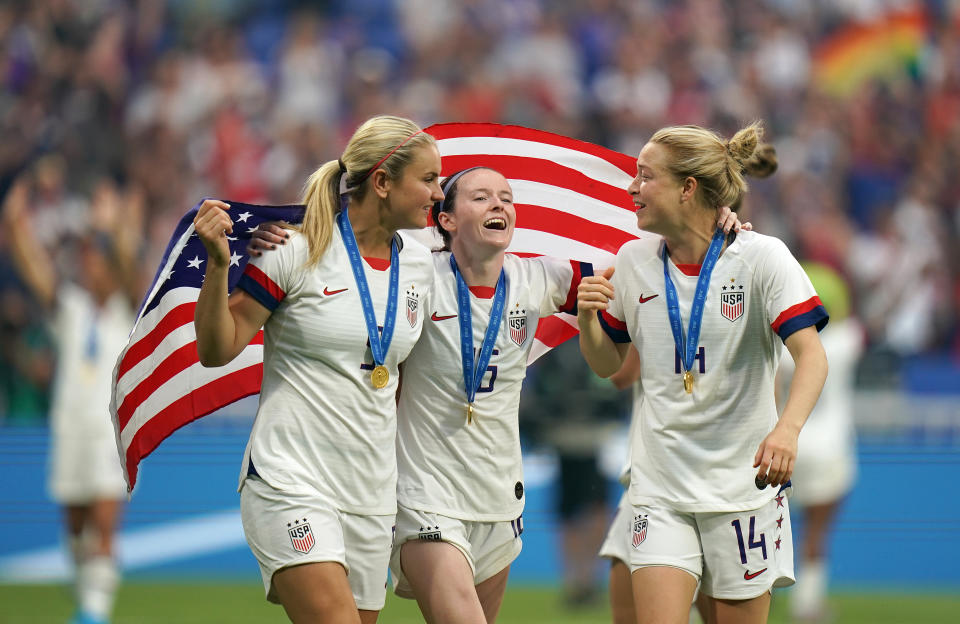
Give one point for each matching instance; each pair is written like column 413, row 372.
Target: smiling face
column 413, row 195
column 483, row 215
column 657, row 193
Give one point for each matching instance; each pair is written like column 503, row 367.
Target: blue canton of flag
column 159, row 384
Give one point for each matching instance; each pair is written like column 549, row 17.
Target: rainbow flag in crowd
column 886, row 49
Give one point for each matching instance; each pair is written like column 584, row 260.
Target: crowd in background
column 146, row 106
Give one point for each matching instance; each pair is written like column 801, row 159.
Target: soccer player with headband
column 318, row 482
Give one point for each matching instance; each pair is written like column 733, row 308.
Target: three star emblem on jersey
column 639, row 530
column 517, row 322
column 732, row 301
column 413, row 306
column 327, row 292
column 301, row 536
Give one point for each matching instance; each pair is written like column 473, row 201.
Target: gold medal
column 380, row 376
column 688, row 381
column 469, row 413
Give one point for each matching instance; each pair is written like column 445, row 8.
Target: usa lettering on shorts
column 301, row 535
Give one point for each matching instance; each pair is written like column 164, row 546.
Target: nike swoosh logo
column 327, row 292
column 646, row 299
column 747, row 575
column 434, row 317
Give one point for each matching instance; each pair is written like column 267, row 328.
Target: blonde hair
column 394, row 139
column 717, row 165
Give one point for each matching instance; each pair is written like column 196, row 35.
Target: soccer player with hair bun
column 709, row 315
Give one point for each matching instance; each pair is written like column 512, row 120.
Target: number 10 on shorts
column 751, row 542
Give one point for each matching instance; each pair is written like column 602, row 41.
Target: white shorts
column 285, row 529
column 489, row 547
column 824, row 471
column 735, row 555
column 85, row 468
column 616, row 545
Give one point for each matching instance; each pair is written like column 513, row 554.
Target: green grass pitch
column 141, row 602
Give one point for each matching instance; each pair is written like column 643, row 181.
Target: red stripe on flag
column 795, row 310
column 178, row 361
column 571, row 226
column 268, row 284
column 544, row 172
column 458, row 130
column 176, row 317
column 200, row 402
column 553, row 331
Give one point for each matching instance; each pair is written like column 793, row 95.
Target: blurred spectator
column 90, row 309
column 826, row 465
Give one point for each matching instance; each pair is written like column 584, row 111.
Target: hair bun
column 744, row 143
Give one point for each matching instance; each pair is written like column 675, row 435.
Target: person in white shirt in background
column 92, row 313
column 318, row 481
column 707, row 441
column 826, row 467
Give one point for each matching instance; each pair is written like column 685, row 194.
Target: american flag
column 571, row 203
column 570, row 197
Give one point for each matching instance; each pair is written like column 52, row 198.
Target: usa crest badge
column 517, row 322
column 301, row 536
column 639, row 530
column 731, row 305
column 413, row 306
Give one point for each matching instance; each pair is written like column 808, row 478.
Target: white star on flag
column 244, row 216
column 195, row 263
column 235, row 259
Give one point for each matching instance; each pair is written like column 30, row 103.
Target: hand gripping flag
column 571, row 203
column 159, row 384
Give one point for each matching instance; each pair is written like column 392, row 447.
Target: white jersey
column 321, row 425
column 694, row 452
column 89, row 340
column 473, row 472
column 826, row 451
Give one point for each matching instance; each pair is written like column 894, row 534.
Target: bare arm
column 34, row 264
column 629, row 372
column 602, row 354
column 777, row 453
column 225, row 326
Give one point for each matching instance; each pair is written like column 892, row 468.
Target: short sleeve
column 613, row 319
column 268, row 278
column 562, row 278
column 790, row 301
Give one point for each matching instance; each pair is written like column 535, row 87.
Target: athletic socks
column 808, row 600
column 97, row 580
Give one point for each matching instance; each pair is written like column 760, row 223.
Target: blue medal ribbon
column 688, row 348
column 473, row 375
column 379, row 342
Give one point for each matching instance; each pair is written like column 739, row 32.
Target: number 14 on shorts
column 752, row 541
